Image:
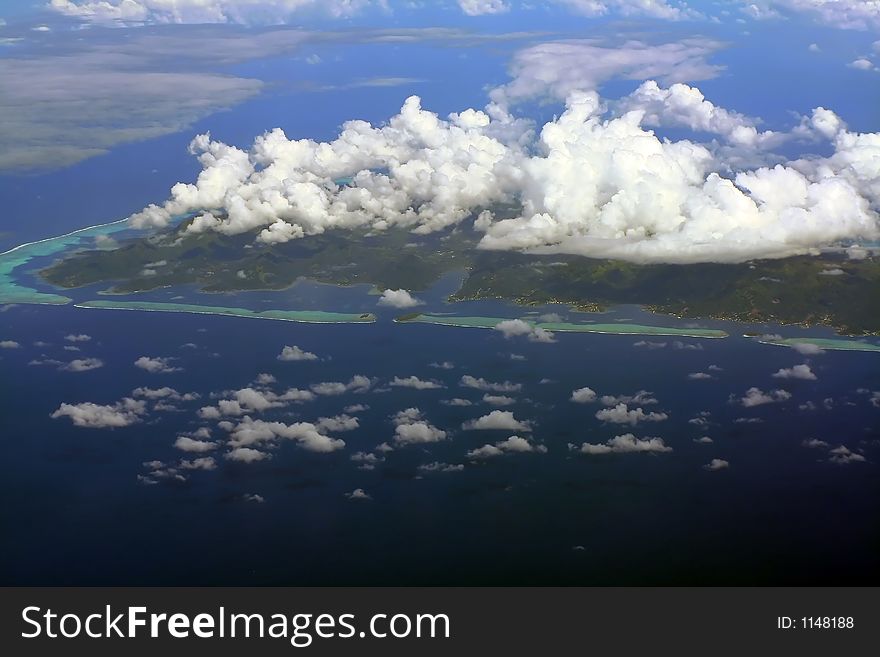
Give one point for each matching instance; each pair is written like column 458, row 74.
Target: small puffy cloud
column 246, row 455
column 202, row 463
column 82, row 365
column 82, row 337
column 814, row 443
column 294, row 353
column 700, row 376
column 498, row 400
column 640, row 398
column 194, row 445
column 457, row 401
column 513, row 445
column 307, row 436
column 862, row 64
column 398, row 299
column 757, row 397
column 584, row 396
column 337, row 423
column 157, row 365
column 444, row 365
column 483, row 7
column 412, row 429
column 647, row 344
column 802, row 372
column 9, row 344
column 439, row 466
column 512, row 328
column 253, row 497
column 358, row 494
column 164, row 393
column 416, row 383
column 469, row 381
column 622, row 414
column 844, row 456
column 497, row 420
column 716, row 464
column 367, row 460
column 94, row 416
column 704, row 440
column 623, row 444
column 357, row 384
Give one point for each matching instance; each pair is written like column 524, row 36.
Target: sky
column 705, row 131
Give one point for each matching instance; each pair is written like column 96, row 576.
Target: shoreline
column 272, row 314
column 603, row 329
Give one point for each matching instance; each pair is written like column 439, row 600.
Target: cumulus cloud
column 483, row 7
column 250, row 432
column 623, row 444
column 82, row 365
column 398, row 299
column 592, row 183
column 9, row 344
column 757, row 397
column 700, row 376
column 622, row 414
column 498, row 400
column 842, row 455
column 802, row 372
column 358, row 384
column 439, row 466
column 416, row 383
column 584, row 396
column 157, row 365
column 512, row 328
column 337, row 423
column 94, row 416
column 246, row 455
column 411, row 428
column 164, row 393
column 194, row 445
column 513, row 445
column 358, row 494
column 716, row 464
column 641, row 398
column 497, row 420
column 457, row 401
column 469, row 381
column 82, row 337
column 294, row 353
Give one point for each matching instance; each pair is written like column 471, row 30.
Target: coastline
column 301, row 316
column 563, row 327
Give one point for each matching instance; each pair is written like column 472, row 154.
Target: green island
column 825, row 290
column 306, row 316
column 618, row 329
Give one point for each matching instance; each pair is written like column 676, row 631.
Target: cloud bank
column 594, row 182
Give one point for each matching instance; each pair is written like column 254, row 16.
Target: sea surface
column 779, row 513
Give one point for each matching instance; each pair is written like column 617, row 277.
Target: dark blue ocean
column 74, row 511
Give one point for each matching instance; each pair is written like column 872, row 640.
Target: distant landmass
column 824, row 290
